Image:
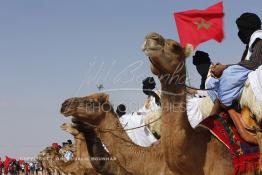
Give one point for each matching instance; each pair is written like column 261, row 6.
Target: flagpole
column 187, row 77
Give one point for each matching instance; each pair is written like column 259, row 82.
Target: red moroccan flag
column 197, row 26
column 7, row 162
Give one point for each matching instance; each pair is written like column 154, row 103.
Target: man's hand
column 191, row 91
column 217, row 69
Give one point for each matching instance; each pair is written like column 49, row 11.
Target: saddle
column 246, row 124
column 249, row 121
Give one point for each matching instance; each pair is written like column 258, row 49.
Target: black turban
column 202, row 62
column 121, row 110
column 248, row 21
column 149, row 83
column 247, row 24
column 201, row 57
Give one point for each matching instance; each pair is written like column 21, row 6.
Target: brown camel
column 53, row 164
column 48, row 159
column 42, row 159
column 96, row 110
column 101, row 160
column 80, row 165
column 187, row 151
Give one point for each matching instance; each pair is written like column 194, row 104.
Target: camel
column 97, row 111
column 101, row 160
column 44, row 162
column 80, row 163
column 181, row 144
column 48, row 158
column 102, row 165
column 187, row 151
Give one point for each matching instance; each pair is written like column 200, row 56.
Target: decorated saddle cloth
column 245, row 156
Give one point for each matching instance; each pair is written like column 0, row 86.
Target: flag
column 7, row 162
column 197, row 26
column 21, row 162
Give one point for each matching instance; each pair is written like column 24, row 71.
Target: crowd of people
column 11, row 166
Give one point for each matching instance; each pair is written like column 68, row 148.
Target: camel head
column 49, row 152
column 166, row 55
column 70, row 128
column 89, row 109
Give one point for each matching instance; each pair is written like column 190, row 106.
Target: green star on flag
column 202, row 23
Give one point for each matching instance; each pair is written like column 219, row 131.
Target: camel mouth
column 67, row 108
column 67, row 113
column 151, row 48
column 63, row 126
column 151, row 52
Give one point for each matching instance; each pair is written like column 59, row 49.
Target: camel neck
column 121, row 146
column 175, row 123
column 98, row 153
column 81, row 149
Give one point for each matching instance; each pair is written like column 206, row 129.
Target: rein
column 107, row 130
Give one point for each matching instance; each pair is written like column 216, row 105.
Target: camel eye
column 176, row 48
column 95, row 103
column 88, row 103
column 92, row 103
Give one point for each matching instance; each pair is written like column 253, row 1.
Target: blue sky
column 52, row 50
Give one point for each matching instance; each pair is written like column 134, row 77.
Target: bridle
column 109, row 130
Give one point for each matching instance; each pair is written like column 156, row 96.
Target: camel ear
column 104, row 98
column 188, row 50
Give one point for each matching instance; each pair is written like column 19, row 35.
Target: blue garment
column 230, row 85
column 213, row 83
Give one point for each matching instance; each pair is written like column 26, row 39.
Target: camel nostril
column 65, row 106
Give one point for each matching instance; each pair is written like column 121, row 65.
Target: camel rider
column 202, row 62
column 195, row 98
column 68, row 155
column 62, row 150
column 134, row 121
column 232, row 77
column 231, row 80
column 148, row 85
column 121, row 110
column 69, row 142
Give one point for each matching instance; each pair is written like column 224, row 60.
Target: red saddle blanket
column 245, row 156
